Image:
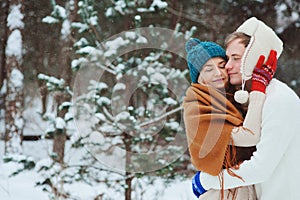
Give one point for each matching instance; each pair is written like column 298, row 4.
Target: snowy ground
column 22, row 186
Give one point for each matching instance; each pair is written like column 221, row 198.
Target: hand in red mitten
column 263, row 73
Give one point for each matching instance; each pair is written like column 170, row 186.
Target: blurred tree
column 41, row 49
column 4, row 31
column 14, row 99
column 68, row 16
column 133, row 121
column 76, row 36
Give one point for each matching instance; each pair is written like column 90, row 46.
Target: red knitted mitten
column 263, row 73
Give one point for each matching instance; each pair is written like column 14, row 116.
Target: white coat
column 275, row 167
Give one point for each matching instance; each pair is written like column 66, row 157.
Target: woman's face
column 214, row 73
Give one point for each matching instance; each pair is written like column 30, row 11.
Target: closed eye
column 222, row 65
column 208, row 69
column 236, row 58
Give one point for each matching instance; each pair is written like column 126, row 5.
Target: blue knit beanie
column 198, row 53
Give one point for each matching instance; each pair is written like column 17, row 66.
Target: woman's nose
column 218, row 71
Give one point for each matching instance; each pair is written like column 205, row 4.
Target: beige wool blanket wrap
column 209, row 118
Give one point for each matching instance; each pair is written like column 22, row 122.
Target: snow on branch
column 160, row 117
column 14, row 19
column 16, row 80
column 52, row 82
column 50, row 20
column 14, row 45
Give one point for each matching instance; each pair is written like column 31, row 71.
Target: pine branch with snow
column 130, row 115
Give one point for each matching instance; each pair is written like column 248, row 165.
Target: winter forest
column 91, row 92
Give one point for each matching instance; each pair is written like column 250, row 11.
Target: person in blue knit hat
column 198, row 53
column 218, row 135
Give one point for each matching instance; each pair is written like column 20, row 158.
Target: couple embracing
column 241, row 123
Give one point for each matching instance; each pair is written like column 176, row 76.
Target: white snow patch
column 150, row 70
column 78, row 62
column 119, row 86
column 158, row 78
column 158, row 3
column 100, row 116
column 170, row 101
column 60, row 11
column 65, row 29
column 122, row 116
column 107, row 128
column 142, row 40
column 103, row 101
column 120, row 67
column 14, row 19
column 86, row 50
column 119, row 6
column 68, row 116
column 144, row 79
column 109, row 12
column 80, row 26
column 19, row 122
column 173, row 125
column 50, row 20
column 93, row 20
column 113, row 45
column 4, row 88
column 137, row 18
column 130, row 35
column 60, row 123
column 81, row 42
column 16, row 80
column 14, row 45
column 293, row 83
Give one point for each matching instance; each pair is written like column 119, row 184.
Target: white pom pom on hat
column 241, row 96
column 263, row 40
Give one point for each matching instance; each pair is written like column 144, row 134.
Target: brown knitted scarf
column 209, row 118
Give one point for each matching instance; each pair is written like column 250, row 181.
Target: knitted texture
column 198, row 53
column 263, row 40
column 263, row 73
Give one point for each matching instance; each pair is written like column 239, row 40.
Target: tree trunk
column 38, row 63
column 3, row 45
column 14, row 98
column 60, row 136
column 128, row 189
column 128, row 175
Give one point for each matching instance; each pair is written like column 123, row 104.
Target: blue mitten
column 196, row 185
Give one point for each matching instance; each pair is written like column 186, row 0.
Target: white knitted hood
column 263, row 39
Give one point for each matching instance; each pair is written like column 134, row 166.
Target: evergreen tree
column 128, row 115
column 116, row 68
column 14, row 97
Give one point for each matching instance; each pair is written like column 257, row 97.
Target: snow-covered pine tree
column 12, row 94
column 14, row 97
column 67, row 15
column 126, row 98
column 60, row 88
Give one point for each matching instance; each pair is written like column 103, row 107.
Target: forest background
column 105, row 79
